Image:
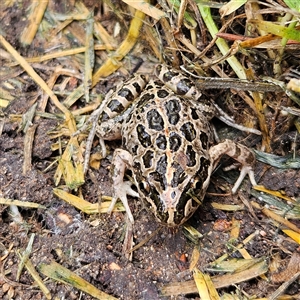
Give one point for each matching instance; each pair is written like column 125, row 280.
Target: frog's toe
column 120, row 192
column 246, row 169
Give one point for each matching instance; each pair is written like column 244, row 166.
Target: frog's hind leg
column 238, row 152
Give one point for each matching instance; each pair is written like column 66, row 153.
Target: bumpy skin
column 169, row 140
column 167, row 144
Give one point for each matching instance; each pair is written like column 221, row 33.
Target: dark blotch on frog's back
column 202, row 172
column 155, row 120
column 188, row 131
column 167, row 76
column 191, row 156
column 175, row 141
column 143, row 136
column 161, row 142
column 204, row 140
column 144, row 99
column 173, row 108
column 163, row 93
column 178, row 175
column 147, row 159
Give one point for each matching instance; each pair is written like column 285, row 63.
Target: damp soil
column 91, row 245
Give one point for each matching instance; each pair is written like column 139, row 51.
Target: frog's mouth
column 177, row 211
column 171, row 207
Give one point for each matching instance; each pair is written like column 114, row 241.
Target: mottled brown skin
column 168, row 144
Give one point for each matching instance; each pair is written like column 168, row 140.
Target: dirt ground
column 91, row 245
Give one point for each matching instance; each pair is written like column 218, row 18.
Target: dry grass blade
column 61, row 274
column 189, row 287
column 15, row 202
column 204, row 285
column 35, row 18
column 238, row 247
column 28, row 145
column 146, row 8
column 39, row 81
column 85, row 206
column 261, row 117
column 294, row 85
column 181, row 11
column 25, row 256
column 4, row 94
column 292, row 234
column 276, row 217
column 112, row 63
column 194, row 259
column 35, row 275
column 227, row 207
column 89, row 61
column 25, row 261
column 62, row 53
column 274, row 193
column 147, row 239
column 4, row 103
column 231, row 7
column 233, row 265
column 71, row 170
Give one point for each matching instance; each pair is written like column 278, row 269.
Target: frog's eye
column 182, row 178
column 197, row 185
column 144, row 187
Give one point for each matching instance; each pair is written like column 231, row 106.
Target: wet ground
column 91, row 245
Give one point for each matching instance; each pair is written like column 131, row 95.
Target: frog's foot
column 120, row 192
column 243, row 172
column 241, row 154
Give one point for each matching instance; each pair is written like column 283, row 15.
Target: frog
column 167, row 143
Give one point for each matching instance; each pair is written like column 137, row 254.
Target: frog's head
column 173, row 192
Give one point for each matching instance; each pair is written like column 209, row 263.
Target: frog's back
column 169, row 139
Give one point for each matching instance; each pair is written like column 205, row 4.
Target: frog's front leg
column 241, row 154
column 122, row 159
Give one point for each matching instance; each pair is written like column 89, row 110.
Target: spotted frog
column 167, row 143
